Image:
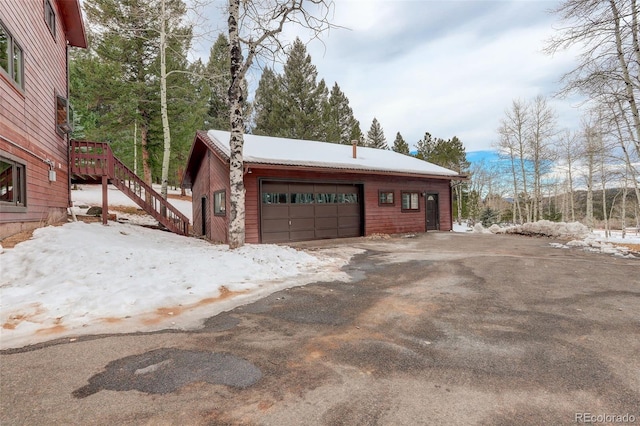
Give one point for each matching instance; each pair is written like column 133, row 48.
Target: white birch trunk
column 236, row 142
column 166, row 157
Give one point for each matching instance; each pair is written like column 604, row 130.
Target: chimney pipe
column 354, row 144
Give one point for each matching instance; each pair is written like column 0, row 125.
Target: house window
column 410, row 201
column 220, row 203
column 50, row 17
column 385, row 198
column 63, row 121
column 13, row 184
column 11, row 57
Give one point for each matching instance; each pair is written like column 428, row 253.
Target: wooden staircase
column 94, row 162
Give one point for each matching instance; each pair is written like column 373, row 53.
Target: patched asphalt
column 438, row 329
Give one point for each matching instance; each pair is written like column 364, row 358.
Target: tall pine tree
column 339, row 120
column 400, row 145
column 375, row 136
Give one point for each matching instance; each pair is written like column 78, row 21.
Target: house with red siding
column 35, row 36
column 300, row 190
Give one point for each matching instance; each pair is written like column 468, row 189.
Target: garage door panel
column 348, row 189
column 304, row 210
column 303, row 224
column 275, row 187
column 275, row 237
column 326, row 211
column 301, row 235
column 349, row 222
column 275, row 211
column 349, row 210
column 326, row 233
column 326, row 223
column 349, row 232
column 276, row 225
column 322, row 188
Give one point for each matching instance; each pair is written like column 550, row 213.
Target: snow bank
column 86, row 278
column 577, row 235
column 545, row 228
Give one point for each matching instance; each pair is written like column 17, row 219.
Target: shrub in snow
column 488, row 217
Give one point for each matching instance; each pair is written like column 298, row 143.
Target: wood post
column 105, row 202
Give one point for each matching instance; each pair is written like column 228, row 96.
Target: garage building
column 300, row 190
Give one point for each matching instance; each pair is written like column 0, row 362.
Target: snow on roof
column 296, row 152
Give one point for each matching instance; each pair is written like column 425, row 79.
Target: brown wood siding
column 218, row 181
column 377, row 219
column 212, row 176
column 27, row 117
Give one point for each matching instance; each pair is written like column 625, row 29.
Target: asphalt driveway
column 438, row 329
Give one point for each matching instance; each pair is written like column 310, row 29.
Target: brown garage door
column 306, row 211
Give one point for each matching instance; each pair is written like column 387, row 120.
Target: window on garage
column 385, row 198
column 301, row 197
column 410, row 201
column 220, row 203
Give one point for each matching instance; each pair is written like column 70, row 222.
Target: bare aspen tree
column 254, row 30
column 607, row 34
column 568, row 153
column 590, row 152
column 514, row 130
column 166, row 132
column 542, row 130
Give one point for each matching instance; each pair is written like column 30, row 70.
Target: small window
column 385, row 198
column 13, row 188
column 11, row 57
column 63, row 123
column 326, row 198
column 274, row 198
column 347, row 198
column 301, row 198
column 410, row 201
column 50, row 17
column 220, row 203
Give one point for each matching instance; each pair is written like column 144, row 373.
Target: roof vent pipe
column 354, row 144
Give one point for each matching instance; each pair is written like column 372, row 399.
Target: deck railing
column 91, row 160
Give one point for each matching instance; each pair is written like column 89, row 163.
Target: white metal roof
column 295, row 152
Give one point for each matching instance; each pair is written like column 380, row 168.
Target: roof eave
column 71, row 15
column 272, row 166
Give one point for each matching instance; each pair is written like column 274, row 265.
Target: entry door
column 433, row 219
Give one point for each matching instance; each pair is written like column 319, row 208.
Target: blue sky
column 449, row 68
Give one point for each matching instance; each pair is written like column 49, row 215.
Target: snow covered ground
column 576, row 235
column 81, row 278
column 85, row 278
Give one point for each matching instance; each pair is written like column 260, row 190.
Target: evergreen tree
column 269, row 107
column 294, row 104
column 339, row 119
column 303, row 97
column 116, row 82
column 399, row 145
column 375, row 136
column 424, row 146
column 218, row 78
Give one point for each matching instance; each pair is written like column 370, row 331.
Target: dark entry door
column 433, row 219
